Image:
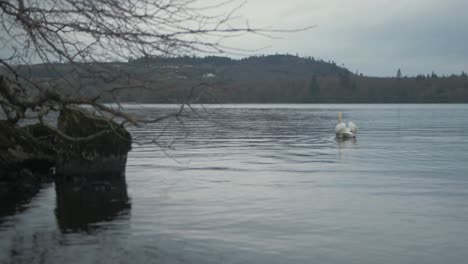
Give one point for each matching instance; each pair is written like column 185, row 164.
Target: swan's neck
column 339, row 117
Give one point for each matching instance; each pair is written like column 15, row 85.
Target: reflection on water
column 66, row 223
column 345, row 143
column 12, row 206
column 82, row 204
column 342, row 141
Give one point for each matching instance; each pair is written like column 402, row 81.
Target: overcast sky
column 375, row 37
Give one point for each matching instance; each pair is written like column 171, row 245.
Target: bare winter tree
column 80, row 42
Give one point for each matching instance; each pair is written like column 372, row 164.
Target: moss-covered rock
column 103, row 153
column 19, row 149
column 43, row 134
column 28, row 153
column 24, row 163
column 113, row 140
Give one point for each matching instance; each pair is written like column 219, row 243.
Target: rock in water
column 19, row 149
column 23, row 159
column 102, row 155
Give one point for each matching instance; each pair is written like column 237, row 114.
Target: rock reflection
column 82, row 204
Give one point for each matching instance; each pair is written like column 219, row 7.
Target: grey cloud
column 376, row 37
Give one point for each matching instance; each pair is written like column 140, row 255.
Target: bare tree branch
column 85, row 41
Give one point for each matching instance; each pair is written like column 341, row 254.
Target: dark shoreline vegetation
column 260, row 79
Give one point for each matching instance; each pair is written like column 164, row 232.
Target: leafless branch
column 87, row 41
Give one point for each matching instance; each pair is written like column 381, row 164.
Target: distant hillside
column 268, row 79
column 291, row 79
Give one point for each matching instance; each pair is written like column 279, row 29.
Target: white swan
column 343, row 131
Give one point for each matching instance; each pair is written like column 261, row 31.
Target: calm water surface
column 270, row 184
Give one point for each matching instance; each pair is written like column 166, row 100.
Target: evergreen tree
column 398, row 74
column 314, row 88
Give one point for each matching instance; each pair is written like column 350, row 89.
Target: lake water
column 270, row 184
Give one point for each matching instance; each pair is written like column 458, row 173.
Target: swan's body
column 345, row 131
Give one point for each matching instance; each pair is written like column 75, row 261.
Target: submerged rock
column 98, row 147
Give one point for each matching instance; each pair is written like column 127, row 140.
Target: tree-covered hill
column 258, row 79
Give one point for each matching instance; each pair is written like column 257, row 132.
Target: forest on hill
column 262, row 79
